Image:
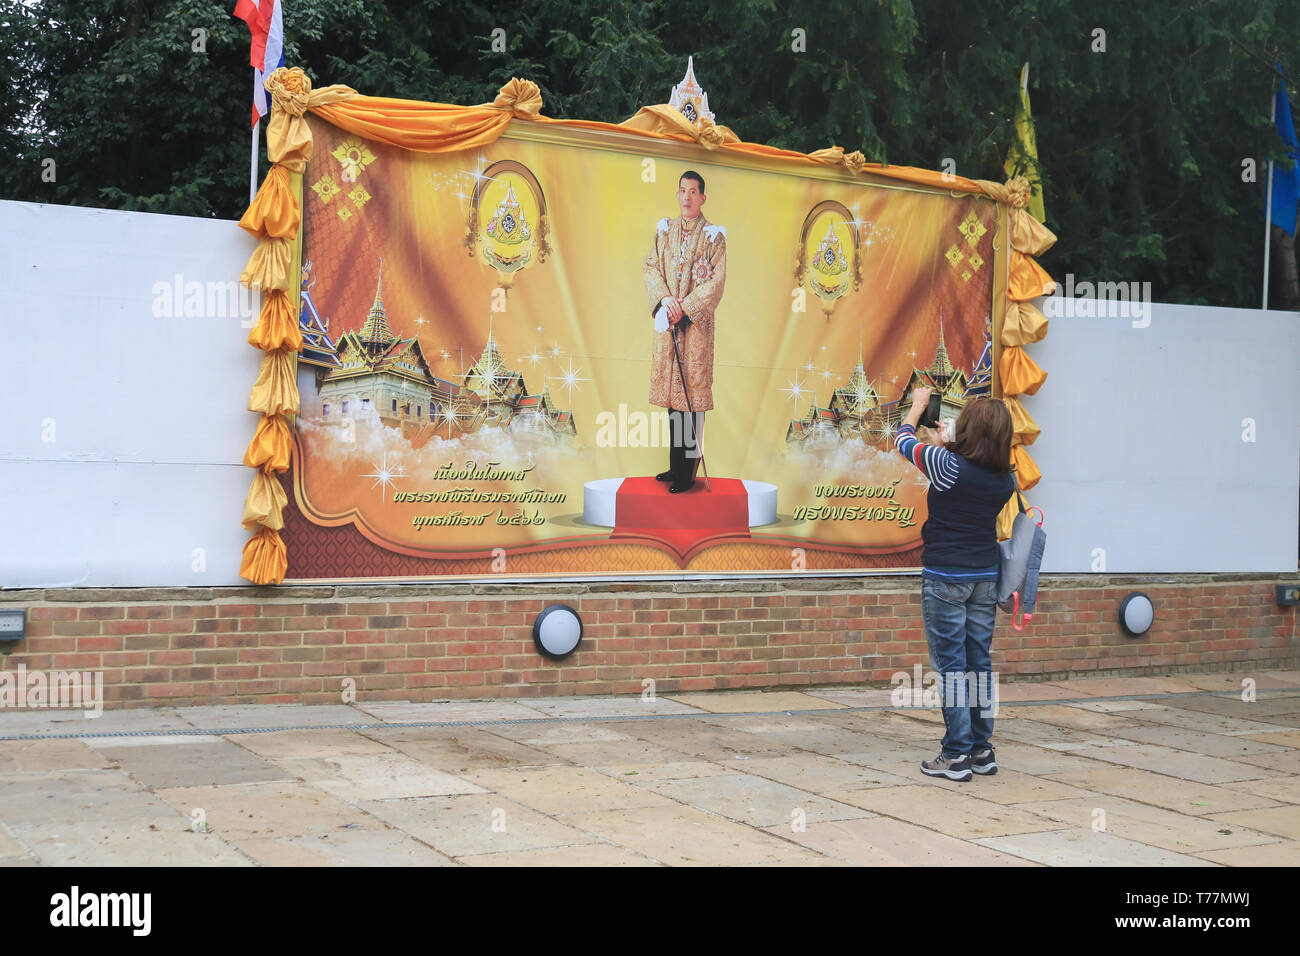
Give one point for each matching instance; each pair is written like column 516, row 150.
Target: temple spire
column 376, row 334
column 942, row 365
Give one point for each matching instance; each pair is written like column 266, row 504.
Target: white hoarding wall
column 1169, row 441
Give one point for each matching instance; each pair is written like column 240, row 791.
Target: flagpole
column 252, row 176
column 1268, row 201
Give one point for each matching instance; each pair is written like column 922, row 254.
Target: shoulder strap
column 1016, row 482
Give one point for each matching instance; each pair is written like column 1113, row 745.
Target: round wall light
column 1136, row 613
column 557, row 631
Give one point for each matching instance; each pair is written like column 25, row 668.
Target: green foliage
column 1141, row 146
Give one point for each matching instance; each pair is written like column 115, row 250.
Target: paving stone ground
column 1174, row 771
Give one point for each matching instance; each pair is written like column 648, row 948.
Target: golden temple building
column 501, row 398
column 383, row 375
column 856, row 409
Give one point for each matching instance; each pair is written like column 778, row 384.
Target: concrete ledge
column 811, row 583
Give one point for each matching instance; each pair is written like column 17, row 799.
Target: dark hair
column 983, row 433
column 692, row 174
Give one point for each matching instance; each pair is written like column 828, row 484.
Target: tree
column 1142, row 129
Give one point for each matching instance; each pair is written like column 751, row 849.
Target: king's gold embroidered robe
column 693, row 270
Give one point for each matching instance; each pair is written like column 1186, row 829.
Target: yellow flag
column 1022, row 158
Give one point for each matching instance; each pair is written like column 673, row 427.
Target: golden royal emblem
column 507, row 220
column 829, row 261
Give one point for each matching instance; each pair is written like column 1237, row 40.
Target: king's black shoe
column 681, row 484
column 676, row 457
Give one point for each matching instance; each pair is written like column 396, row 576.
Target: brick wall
column 428, row 642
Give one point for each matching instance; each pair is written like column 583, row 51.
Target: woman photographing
column 970, row 483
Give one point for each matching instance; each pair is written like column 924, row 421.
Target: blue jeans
column 959, row 618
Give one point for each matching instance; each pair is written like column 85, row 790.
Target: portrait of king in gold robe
column 685, row 273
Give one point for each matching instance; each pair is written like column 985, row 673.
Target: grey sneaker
column 982, row 762
column 954, row 768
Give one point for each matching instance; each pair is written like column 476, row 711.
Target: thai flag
column 267, row 53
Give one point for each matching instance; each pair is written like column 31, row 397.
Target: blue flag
column 1286, row 183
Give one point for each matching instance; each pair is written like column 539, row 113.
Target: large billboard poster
column 489, row 384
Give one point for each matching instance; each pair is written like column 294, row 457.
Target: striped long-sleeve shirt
column 959, row 537
column 940, row 465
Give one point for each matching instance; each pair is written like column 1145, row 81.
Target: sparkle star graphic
column 476, row 173
column 383, row 476
column 555, row 350
column 450, row 416
column 861, row 226
column 494, row 372
column 569, row 380
column 796, row 389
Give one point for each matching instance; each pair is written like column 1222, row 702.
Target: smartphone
column 930, row 417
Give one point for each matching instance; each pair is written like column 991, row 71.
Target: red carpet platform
column 644, row 508
column 684, row 523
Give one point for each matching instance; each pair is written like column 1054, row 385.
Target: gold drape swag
column 274, row 211
column 265, row 504
column 270, row 446
column 274, row 218
column 277, row 326
column 265, row 558
column 1024, row 323
column 520, row 98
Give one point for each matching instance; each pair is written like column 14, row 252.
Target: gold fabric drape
column 270, row 445
column 265, row 559
column 277, row 327
column 274, row 211
column 274, row 218
column 1024, row 323
column 439, row 127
